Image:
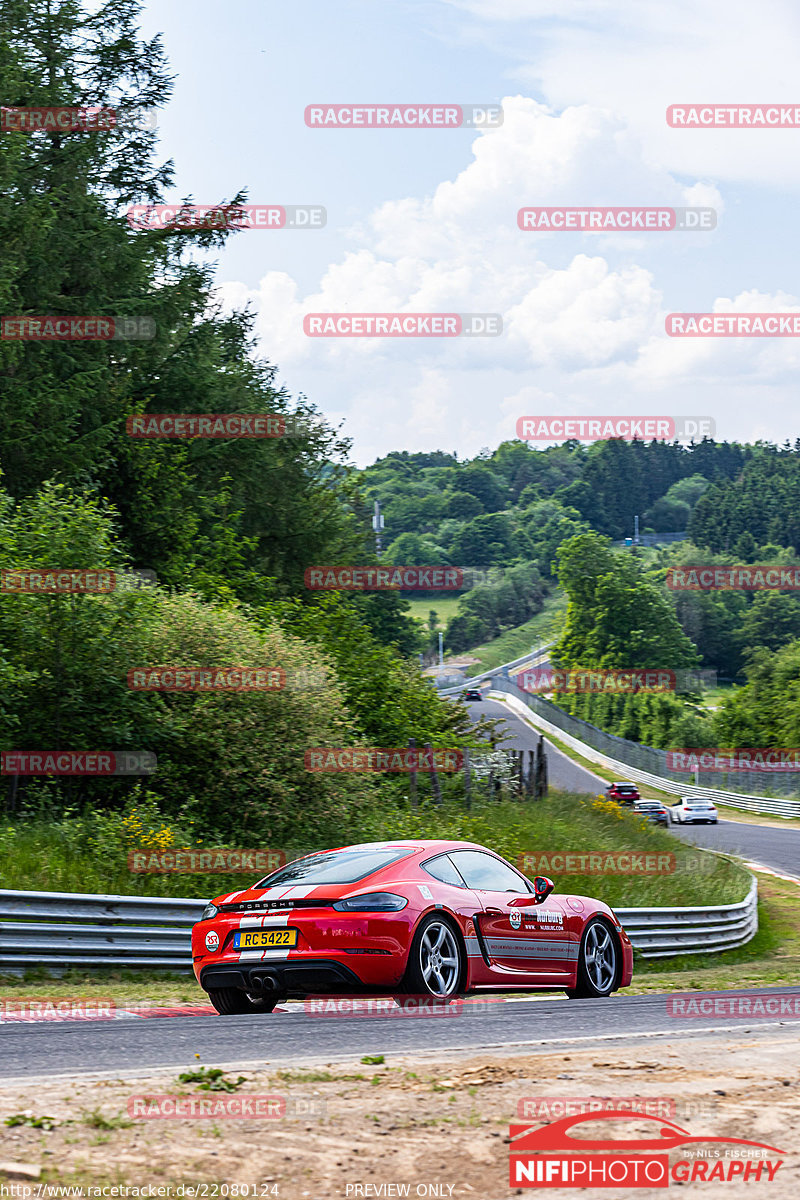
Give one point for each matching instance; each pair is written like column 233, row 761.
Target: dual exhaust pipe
column 262, row 982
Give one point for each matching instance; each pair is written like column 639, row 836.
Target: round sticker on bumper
column 212, row 940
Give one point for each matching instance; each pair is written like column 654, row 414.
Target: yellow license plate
column 264, row 939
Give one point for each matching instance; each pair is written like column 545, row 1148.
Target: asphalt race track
column 767, row 845
column 80, row 1047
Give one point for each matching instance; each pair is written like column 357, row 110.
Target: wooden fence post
column 412, row 776
column 435, row 785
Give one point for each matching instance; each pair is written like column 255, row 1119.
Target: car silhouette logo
column 666, row 1135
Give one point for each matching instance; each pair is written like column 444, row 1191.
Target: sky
column 425, row 220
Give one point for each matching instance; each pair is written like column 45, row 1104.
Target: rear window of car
column 624, row 787
column 698, row 804
column 441, row 868
column 337, row 866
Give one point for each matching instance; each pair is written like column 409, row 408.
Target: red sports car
column 434, row 919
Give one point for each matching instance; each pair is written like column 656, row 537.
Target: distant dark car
column 654, row 810
column 623, row 793
column 473, row 694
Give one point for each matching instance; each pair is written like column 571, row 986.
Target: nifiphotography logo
column 561, row 1155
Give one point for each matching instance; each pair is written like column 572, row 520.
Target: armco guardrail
column 64, row 929
column 665, row 932
column 549, row 718
column 533, row 657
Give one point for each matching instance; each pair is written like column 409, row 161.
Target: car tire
column 597, row 976
column 229, row 1001
column 436, row 960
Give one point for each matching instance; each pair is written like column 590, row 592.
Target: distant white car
column 693, row 810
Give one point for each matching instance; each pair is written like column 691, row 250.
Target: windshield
column 337, row 866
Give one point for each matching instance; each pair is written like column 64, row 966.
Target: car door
column 517, row 935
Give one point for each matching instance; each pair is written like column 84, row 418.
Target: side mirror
column 542, row 887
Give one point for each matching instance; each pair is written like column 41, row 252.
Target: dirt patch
column 438, row 1124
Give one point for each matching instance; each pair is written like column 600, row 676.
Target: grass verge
column 445, row 607
column 518, row 641
column 63, row 855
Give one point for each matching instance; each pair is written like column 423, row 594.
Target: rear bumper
column 293, row 977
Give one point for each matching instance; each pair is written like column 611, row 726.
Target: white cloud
column 585, row 330
column 636, row 59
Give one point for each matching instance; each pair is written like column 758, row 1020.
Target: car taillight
column 372, row 902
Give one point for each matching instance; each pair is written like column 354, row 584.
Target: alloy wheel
column 601, row 957
column 438, row 959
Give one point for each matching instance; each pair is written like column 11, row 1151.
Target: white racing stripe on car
column 531, row 948
column 273, row 920
column 473, row 948
column 269, row 921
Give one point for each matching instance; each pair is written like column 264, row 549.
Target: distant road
column 563, row 773
column 768, row 845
